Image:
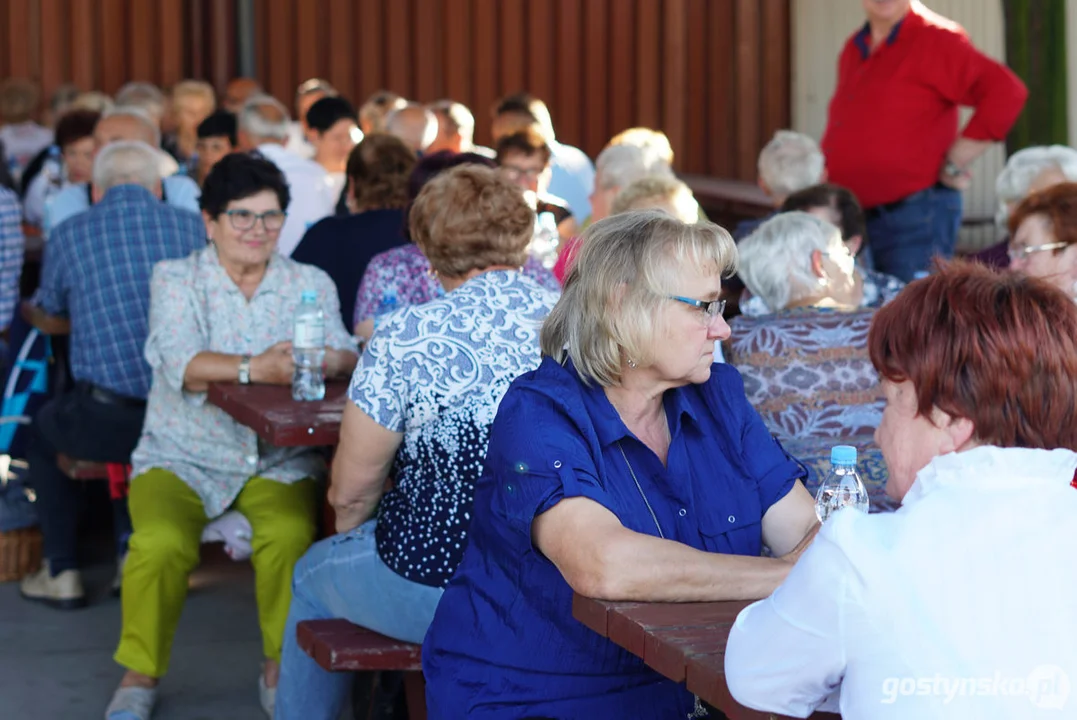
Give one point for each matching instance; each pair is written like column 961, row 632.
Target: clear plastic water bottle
column 388, row 303
column 54, row 171
column 308, row 348
column 545, row 240
column 842, row 486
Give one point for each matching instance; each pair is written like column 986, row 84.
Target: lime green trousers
column 168, row 519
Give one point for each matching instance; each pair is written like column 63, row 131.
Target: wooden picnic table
column 685, row 642
column 279, row 420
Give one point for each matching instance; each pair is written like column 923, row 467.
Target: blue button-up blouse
column 503, row 643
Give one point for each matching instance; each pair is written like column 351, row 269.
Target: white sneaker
column 131, row 703
column 63, row 591
column 267, row 696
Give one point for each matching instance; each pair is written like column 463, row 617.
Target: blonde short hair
column 470, row 218
column 646, row 193
column 197, row 89
column 627, row 265
column 655, row 141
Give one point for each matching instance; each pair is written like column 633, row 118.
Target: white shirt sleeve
column 786, row 654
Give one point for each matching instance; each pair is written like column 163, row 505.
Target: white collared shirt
column 960, row 605
column 311, row 194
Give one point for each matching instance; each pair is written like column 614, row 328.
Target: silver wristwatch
column 951, row 168
column 245, row 370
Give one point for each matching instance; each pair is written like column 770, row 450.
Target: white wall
column 820, row 29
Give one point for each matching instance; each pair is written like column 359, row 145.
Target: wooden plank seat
column 340, row 646
column 82, row 469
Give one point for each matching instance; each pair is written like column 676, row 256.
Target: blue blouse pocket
column 732, row 525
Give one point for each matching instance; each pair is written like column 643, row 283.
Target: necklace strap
column 641, row 493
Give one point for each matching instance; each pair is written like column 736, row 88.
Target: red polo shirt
column 894, row 113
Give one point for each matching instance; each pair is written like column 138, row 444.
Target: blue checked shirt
column 12, row 245
column 97, row 271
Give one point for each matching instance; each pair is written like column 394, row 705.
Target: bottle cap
column 310, row 296
column 843, row 455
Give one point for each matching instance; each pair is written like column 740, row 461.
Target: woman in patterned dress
column 224, row 313
column 422, row 402
column 805, row 362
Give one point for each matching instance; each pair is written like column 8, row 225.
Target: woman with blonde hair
column 627, row 467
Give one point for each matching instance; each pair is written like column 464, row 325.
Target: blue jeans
column 343, row 577
column 904, row 238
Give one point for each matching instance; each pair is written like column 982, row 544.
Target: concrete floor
column 57, row 665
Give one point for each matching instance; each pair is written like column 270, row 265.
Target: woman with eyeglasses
column 1043, row 231
column 626, row 467
column 804, row 360
column 224, row 314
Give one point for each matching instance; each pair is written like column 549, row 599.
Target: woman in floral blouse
column 224, row 313
column 422, row 402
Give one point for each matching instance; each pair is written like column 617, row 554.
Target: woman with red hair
column 1043, row 229
column 961, row 604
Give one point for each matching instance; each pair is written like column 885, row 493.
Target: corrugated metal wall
column 714, row 74
column 101, row 44
column 820, row 28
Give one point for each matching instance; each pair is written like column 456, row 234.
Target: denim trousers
column 906, row 236
column 343, row 577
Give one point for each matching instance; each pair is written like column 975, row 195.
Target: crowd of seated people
column 547, row 393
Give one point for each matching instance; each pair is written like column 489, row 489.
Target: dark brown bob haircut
column 999, row 349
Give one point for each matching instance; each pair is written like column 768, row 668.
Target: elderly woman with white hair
column 805, row 363
column 626, row 467
column 1027, row 171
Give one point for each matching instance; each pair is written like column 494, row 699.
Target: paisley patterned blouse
column 807, row 372
column 400, row 277
column 196, row 307
column 437, row 373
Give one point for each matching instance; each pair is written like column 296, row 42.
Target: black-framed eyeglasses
column 242, row 220
column 710, row 308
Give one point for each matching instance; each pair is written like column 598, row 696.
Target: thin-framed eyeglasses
column 243, row 220
column 1021, row 253
column 710, row 308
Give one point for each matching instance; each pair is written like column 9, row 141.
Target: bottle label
column 309, row 333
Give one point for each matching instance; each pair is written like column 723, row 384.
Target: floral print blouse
column 436, row 372
column 195, row 307
column 401, row 277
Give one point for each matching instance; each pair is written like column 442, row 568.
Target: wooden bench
column 340, row 646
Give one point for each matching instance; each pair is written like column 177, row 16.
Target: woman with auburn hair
column 1043, row 231
column 421, row 404
column 971, row 577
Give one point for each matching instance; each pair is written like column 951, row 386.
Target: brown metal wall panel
column 428, row 24
column 596, row 79
column 19, row 46
column 566, row 106
column 674, row 71
column 484, row 60
column 622, row 93
column 713, row 74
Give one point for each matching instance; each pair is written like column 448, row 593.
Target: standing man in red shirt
column 892, row 131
